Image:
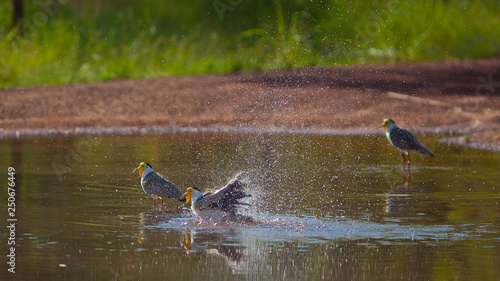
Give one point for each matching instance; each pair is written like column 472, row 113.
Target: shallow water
column 325, row 206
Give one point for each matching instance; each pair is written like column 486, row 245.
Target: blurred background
column 66, row 41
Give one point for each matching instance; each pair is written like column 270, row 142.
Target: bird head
column 192, row 192
column 386, row 123
column 141, row 168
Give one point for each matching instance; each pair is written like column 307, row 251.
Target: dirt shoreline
column 458, row 97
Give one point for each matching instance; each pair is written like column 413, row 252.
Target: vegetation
column 70, row 41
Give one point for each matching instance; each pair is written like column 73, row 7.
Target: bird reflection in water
column 225, row 245
column 401, row 198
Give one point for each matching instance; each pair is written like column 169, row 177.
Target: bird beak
column 384, row 125
column 187, row 195
column 141, row 169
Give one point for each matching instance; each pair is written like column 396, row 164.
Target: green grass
column 80, row 41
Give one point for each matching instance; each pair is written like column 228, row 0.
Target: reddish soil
column 455, row 96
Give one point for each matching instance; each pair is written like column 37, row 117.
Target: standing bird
column 220, row 204
column 403, row 140
column 157, row 185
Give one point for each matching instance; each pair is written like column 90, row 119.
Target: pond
column 325, row 207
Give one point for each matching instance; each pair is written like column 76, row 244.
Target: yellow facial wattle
column 140, row 169
column 386, row 122
column 188, row 193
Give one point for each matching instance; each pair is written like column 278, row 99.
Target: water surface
column 326, row 207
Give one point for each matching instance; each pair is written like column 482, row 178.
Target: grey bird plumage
column 404, row 141
column 221, row 203
column 157, row 185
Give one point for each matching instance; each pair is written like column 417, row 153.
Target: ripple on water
column 286, row 228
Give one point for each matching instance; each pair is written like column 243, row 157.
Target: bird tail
column 425, row 150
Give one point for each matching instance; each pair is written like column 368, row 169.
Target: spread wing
column 405, row 140
column 226, row 198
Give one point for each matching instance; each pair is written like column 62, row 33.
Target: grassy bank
column 76, row 41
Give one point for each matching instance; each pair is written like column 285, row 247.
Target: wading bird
column 219, row 204
column 404, row 141
column 157, row 185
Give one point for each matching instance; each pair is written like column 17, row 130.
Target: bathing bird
column 157, row 185
column 219, row 204
column 403, row 140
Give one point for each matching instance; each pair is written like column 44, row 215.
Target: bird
column 219, row 204
column 403, row 140
column 157, row 185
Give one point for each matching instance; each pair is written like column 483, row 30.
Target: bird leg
column 404, row 160
column 404, row 165
column 409, row 161
column 409, row 170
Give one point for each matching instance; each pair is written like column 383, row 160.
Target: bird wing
column 404, row 140
column 226, row 198
column 161, row 186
